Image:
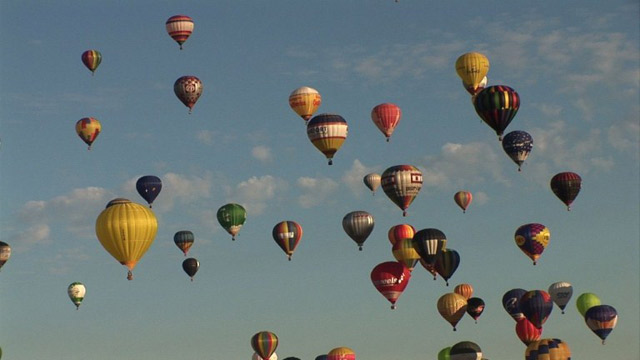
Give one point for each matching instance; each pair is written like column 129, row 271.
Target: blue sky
column 575, row 66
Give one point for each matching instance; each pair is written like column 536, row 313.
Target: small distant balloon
column 472, row 68
column 76, row 292
column 91, row 59
column 386, row 117
column 305, row 101
column 566, row 186
column 191, row 266
column 264, row 343
column 465, row 290
column 372, row 181
column 518, row 144
column 327, row 132
column 183, row 240
column 232, row 217
column 463, row 199
column 341, row 353
column 358, row 225
column 475, row 307
column 390, row 279
column 88, row 129
column 287, row 235
column 511, row 303
column 188, row 90
column 149, row 187
column 447, row 262
column 586, row 301
column 179, row 27
column 561, row 293
column 536, row 306
column 452, row 308
column 5, row 253
column 400, row 231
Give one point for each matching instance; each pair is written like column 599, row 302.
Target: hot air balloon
column 232, row 216
column 390, row 279
column 566, row 186
column 255, row 356
column 431, row 268
column 184, row 240
column 287, row 235
column 527, row 332
column 76, row 292
column 191, row 266
column 188, row 89
column 465, row 290
column 358, row 225
column 264, row 343
column 305, row 101
column 372, row 181
column 429, row 243
column 341, row 353
column 518, row 144
column 405, row 253
column 91, row 59
column 291, row 358
column 463, row 199
column 327, row 133
column 561, row 293
column 601, row 319
column 472, row 68
column 402, row 183
column 465, row 350
column 447, row 262
column 179, row 28
column 536, row 305
column 88, row 129
column 532, row 239
column 386, row 117
column 475, row 307
column 445, row 354
column 548, row 349
column 5, row 253
column 474, row 90
column 511, row 303
column 452, row 308
column 497, row 105
column 586, row 301
column 126, row 230
column 149, row 186
column 401, row 231
column 321, row 357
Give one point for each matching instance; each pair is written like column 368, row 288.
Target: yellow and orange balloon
column 305, row 101
column 88, row 130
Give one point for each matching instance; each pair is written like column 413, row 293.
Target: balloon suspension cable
column 180, row 46
column 602, row 342
column 359, row 247
column 500, row 137
column 534, row 263
column 476, row 321
column 454, row 329
column 129, row 275
column 568, row 207
column 563, row 311
column 190, row 111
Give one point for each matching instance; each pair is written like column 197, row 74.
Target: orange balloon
column 401, row 231
column 465, row 290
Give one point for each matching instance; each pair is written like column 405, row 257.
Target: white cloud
column 255, row 193
column 181, row 188
column 315, row 191
column 625, row 137
column 353, row 177
column 205, row 136
column 262, row 153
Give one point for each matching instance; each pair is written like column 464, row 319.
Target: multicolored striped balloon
column 91, row 59
column 447, row 262
column 400, row 231
column 264, row 343
column 601, row 319
column 402, row 183
column 463, row 200
column 341, row 353
column 548, row 349
column 179, row 27
column 88, row 130
column 566, row 186
column 536, row 305
column 497, row 105
column 287, row 235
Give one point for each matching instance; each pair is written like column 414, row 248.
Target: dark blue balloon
column 321, row 357
column 517, row 144
column 511, row 303
column 149, row 187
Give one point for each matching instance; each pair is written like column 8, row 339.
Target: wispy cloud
column 256, row 192
column 315, row 190
column 353, row 177
column 262, row 153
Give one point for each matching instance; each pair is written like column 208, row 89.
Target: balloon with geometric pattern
column 532, row 239
column 188, row 90
column 517, row 144
column 88, row 129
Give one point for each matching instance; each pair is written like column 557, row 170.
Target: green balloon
column 586, row 301
column 444, row 354
column 232, row 217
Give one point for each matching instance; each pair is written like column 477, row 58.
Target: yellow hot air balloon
column 327, row 132
column 88, row 129
column 452, row 307
column 405, row 253
column 305, row 101
column 472, row 67
column 126, row 230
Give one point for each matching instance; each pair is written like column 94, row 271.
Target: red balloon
column 386, row 117
column 390, row 279
column 527, row 332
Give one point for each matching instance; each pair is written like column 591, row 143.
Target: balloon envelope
column 179, row 27
column 327, row 132
column 463, row 199
column 287, row 235
column 372, row 181
column 517, row 144
column 264, row 343
column 532, row 239
column 390, row 279
column 561, row 293
column 400, row 231
column 91, row 59
column 601, row 319
column 511, row 303
column 497, row 105
column 466, row 350
column 149, row 187
column 429, row 243
column 76, row 292
column 472, row 68
column 188, row 90
column 184, row 240
column 402, row 183
column 465, row 290
column 452, row 308
column 536, row 305
column 305, row 101
column 88, row 130
column 358, row 225
column 586, row 301
column 231, row 217
column 341, row 353
column 404, row 252
column 566, row 186
column 447, row 262
column 527, row 332
column 191, row 266
column 547, row 349
column 126, row 230
column 445, row 354
column 475, row 307
column 386, row 117
column 5, row 253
